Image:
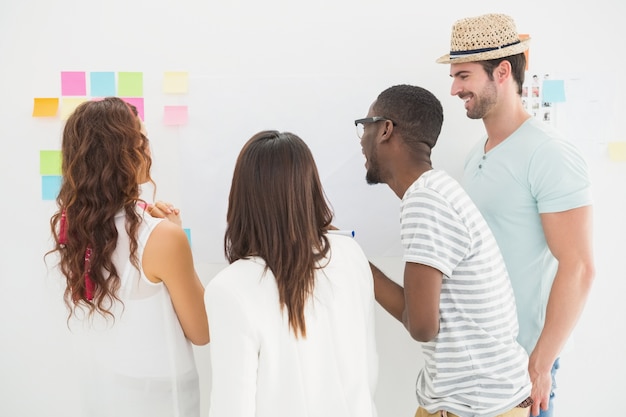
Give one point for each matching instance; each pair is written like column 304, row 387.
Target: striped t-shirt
column 474, row 366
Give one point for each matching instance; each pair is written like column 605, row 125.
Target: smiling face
column 472, row 84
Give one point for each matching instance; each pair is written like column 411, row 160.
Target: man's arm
column 388, row 294
column 417, row 304
column 569, row 237
column 422, row 291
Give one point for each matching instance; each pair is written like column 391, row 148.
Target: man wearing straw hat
column 533, row 189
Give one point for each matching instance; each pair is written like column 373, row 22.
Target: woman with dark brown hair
column 135, row 301
column 292, row 316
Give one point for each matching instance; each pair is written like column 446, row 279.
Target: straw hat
column 481, row 38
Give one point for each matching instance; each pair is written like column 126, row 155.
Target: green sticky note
column 130, row 84
column 50, row 162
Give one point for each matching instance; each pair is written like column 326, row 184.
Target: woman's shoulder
column 240, row 274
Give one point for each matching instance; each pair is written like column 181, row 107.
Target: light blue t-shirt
column 533, row 171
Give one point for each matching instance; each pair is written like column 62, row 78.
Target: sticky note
column 50, row 162
column 130, row 84
column 553, row 91
column 50, row 186
column 175, row 115
column 45, row 107
column 102, row 84
column 188, row 233
column 69, row 104
column 175, row 82
column 73, row 83
column 617, row 151
column 137, row 102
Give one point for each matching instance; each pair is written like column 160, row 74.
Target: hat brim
column 485, row 56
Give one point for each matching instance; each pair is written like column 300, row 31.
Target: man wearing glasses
column 456, row 298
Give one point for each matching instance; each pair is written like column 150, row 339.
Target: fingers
column 165, row 208
column 537, row 407
column 534, row 411
column 540, row 393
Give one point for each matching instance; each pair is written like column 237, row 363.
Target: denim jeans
column 550, row 411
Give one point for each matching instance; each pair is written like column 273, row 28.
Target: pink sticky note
column 175, row 115
column 137, row 102
column 73, row 83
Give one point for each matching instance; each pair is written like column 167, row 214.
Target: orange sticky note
column 523, row 37
column 45, row 107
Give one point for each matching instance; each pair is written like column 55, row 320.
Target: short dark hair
column 518, row 68
column 417, row 113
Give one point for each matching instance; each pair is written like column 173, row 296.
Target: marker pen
column 342, row 232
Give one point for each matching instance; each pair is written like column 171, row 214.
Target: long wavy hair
column 104, row 159
column 277, row 210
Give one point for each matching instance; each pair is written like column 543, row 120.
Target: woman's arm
column 167, row 257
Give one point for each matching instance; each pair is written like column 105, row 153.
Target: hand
column 542, row 387
column 164, row 210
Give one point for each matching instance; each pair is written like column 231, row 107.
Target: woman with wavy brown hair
column 135, row 301
column 292, row 316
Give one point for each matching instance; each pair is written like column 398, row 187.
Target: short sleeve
column 432, row 232
column 559, row 177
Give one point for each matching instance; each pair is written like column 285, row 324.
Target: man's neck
column 500, row 126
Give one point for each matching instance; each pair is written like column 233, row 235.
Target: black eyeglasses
column 360, row 123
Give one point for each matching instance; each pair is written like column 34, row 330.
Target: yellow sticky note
column 617, row 151
column 175, row 82
column 50, row 162
column 45, row 107
column 69, row 104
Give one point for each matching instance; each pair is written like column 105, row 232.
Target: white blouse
column 259, row 368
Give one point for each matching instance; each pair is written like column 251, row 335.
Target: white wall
column 311, row 68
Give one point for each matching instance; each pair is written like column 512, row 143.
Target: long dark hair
column 277, row 210
column 104, row 158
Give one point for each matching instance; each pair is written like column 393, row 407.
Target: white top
column 258, row 366
column 141, row 364
column 474, row 366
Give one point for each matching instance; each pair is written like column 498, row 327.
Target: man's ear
column 387, row 131
column 502, row 71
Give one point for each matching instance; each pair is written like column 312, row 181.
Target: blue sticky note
column 50, row 186
column 102, row 84
column 188, row 233
column 553, row 91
